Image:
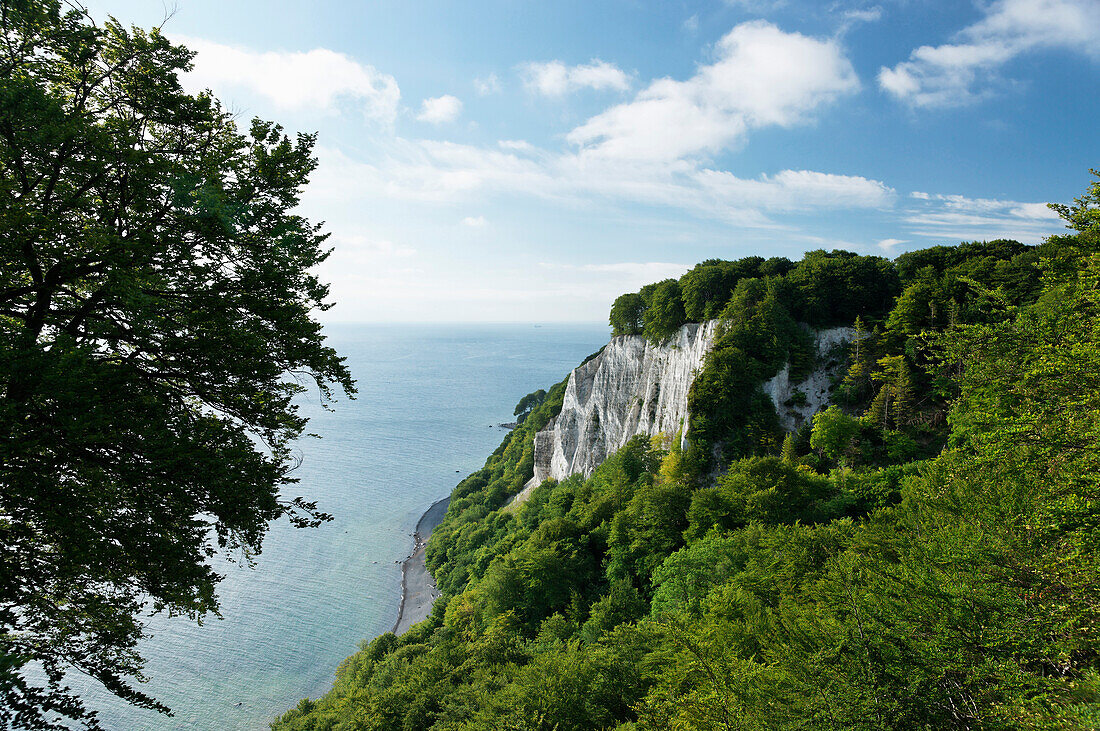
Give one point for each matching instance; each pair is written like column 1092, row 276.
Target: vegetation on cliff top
column 921, row 555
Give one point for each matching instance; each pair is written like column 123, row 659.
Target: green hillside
column 923, row 554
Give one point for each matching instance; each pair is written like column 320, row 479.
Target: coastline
column 418, row 591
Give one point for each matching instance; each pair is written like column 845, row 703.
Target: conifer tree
column 858, row 378
column 789, row 455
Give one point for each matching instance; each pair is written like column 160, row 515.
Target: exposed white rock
column 815, row 386
column 633, row 387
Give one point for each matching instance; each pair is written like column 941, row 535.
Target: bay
column 430, row 399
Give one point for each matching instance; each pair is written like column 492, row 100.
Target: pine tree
column 789, row 455
column 858, row 378
column 893, row 404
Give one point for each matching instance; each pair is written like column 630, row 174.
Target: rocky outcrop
column 797, row 401
column 635, row 387
column 632, row 387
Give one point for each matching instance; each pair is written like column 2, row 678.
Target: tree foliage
column 664, row 311
column 527, row 403
column 626, row 315
column 1084, row 215
column 944, row 575
column 156, row 290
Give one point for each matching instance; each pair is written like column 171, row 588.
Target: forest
column 920, row 554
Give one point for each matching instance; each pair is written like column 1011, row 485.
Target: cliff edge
column 637, row 387
column 632, row 387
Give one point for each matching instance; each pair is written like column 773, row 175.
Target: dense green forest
column 922, row 554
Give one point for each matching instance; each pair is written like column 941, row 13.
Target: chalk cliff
column 815, row 389
column 632, row 387
column 635, row 387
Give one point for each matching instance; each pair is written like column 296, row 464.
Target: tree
column 834, row 433
column 894, row 401
column 626, row 315
column 664, row 312
column 1084, row 215
column 155, row 294
column 858, row 378
column 527, row 403
column 789, row 453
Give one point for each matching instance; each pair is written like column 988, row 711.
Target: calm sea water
column 428, row 395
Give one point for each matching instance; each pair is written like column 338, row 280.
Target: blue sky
column 515, row 160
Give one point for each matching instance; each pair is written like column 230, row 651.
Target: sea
column 431, row 398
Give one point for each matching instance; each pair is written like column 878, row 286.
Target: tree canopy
column 156, row 324
column 922, row 556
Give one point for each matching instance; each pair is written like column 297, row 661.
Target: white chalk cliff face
column 633, row 387
column 815, row 389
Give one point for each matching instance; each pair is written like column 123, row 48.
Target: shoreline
column 418, row 592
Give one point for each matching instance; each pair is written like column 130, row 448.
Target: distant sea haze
column 430, row 397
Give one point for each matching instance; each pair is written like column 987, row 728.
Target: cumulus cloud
column 648, row 151
column 762, row 77
column 554, row 78
column 425, row 170
column 440, row 109
column 965, row 71
column 475, row 221
column 316, row 80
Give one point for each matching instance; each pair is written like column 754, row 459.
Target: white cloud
column 691, row 25
column 475, row 221
column 864, row 15
column 440, row 109
column 487, row 85
column 762, row 77
column 757, row 6
column 422, row 170
column 1035, row 211
column 962, row 72
column 791, row 190
column 956, row 217
column 518, row 145
column 654, row 269
column 889, row 244
column 446, row 172
column 852, row 17
column 1031, row 211
column 554, row 78
column 316, row 80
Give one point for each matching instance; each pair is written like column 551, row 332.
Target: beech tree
column 664, row 312
column 626, row 315
column 155, row 325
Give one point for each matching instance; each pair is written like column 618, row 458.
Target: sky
column 529, row 161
